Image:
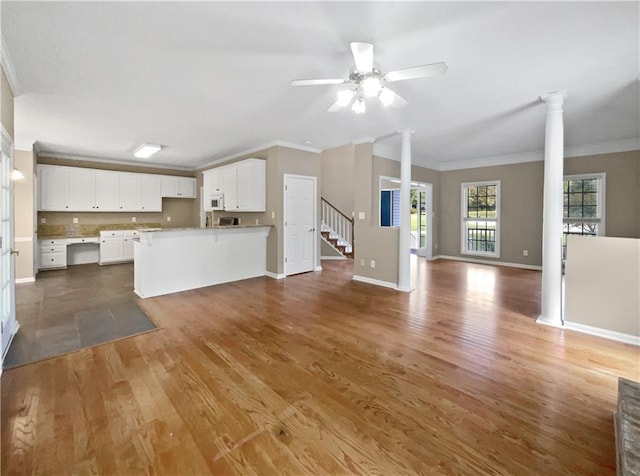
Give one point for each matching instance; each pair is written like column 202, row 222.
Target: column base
column 549, row 322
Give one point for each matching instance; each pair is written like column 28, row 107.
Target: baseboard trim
column 317, row 268
column 25, row 280
column 334, row 258
column 607, row 334
column 486, row 261
column 271, row 275
column 549, row 322
column 376, row 282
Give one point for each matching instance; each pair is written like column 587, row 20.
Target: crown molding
column 585, row 150
column 87, row 158
column 23, row 148
column 611, row 147
column 253, row 150
column 491, row 161
column 364, row 140
column 9, row 69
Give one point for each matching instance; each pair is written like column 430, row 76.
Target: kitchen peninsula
column 178, row 259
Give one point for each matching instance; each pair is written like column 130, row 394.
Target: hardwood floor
column 318, row 374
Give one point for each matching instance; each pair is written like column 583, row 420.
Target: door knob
column 15, row 252
column 312, row 229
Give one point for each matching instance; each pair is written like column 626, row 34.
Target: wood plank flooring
column 318, row 374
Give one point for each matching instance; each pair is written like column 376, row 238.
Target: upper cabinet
column 54, row 187
column 80, row 189
column 243, row 185
column 178, row 187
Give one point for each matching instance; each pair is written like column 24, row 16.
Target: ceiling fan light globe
column 386, row 97
column 371, row 87
column 344, row 97
column 359, row 107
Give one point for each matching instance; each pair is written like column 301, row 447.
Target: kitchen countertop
column 53, row 232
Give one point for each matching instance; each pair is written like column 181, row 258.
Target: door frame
column 314, row 179
column 6, row 147
column 428, row 253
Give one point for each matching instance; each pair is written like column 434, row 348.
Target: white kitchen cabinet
column 116, row 246
column 229, row 187
column 149, row 198
column 129, row 192
column 111, row 247
column 139, row 192
column 127, row 246
column 178, row 187
column 52, row 253
column 82, row 193
column 251, row 186
column 54, row 187
column 243, row 185
column 107, row 192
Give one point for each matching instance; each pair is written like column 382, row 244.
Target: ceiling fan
column 370, row 81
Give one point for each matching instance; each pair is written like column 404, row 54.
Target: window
column 390, row 208
column 582, row 206
column 481, row 218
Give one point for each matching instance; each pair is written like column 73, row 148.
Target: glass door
column 7, row 286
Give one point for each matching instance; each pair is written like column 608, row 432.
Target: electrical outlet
column 273, row 215
column 257, row 221
column 361, row 261
column 133, row 219
column 239, row 221
column 43, row 220
column 168, row 218
column 75, row 219
column 373, row 263
column 525, row 252
column 436, row 245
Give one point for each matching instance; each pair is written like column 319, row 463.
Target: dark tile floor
column 81, row 306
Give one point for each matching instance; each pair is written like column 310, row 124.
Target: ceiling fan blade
column 423, row 71
column 363, row 56
column 317, row 82
column 390, row 98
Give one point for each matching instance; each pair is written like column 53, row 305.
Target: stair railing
column 338, row 222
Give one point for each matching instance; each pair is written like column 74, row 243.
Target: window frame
column 464, row 202
column 601, row 197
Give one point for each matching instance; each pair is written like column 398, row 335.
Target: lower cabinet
column 116, row 246
column 53, row 254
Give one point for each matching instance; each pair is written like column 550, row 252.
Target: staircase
column 337, row 229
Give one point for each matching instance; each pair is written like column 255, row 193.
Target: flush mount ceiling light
column 370, row 81
column 147, row 150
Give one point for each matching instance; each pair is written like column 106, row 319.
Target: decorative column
column 552, row 212
column 404, row 245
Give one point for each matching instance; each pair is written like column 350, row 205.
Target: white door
column 7, row 284
column 299, row 224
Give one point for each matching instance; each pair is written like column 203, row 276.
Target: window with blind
column 481, row 219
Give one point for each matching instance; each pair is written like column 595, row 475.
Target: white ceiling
column 208, row 80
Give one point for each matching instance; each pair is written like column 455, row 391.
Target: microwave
column 216, row 202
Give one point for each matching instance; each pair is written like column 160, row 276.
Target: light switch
column 75, row 219
column 168, row 218
column 133, row 219
column 43, row 220
column 361, row 215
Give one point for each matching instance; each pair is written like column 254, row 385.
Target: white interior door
column 7, row 281
column 299, row 224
